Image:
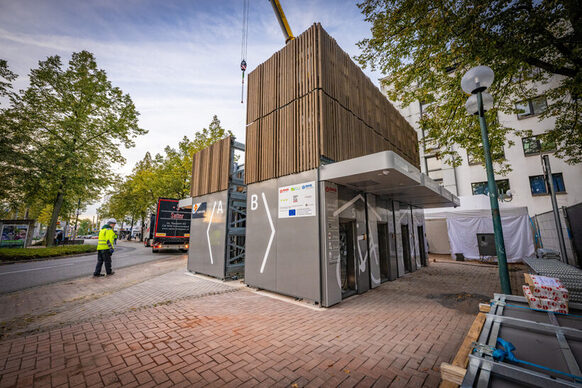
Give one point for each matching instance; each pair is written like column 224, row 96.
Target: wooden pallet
column 311, row 100
column 453, row 374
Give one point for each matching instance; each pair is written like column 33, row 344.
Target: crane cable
column 243, row 50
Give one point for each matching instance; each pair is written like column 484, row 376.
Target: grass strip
column 15, row 254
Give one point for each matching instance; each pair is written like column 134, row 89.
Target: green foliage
column 66, row 130
column 167, row 175
column 83, row 227
column 425, row 47
column 15, row 254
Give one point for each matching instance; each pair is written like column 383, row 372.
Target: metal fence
column 546, row 228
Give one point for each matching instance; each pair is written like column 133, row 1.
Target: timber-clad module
column 211, row 168
column 310, row 100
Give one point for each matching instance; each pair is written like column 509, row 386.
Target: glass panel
column 537, row 184
column 502, row 186
column 531, row 145
column 559, row 186
column 523, row 109
column 539, row 105
column 479, row 188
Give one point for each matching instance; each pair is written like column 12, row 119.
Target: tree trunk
column 52, row 227
column 142, row 229
column 77, row 220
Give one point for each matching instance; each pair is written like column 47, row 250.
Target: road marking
column 38, row 269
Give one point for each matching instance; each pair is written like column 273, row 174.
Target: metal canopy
column 387, row 174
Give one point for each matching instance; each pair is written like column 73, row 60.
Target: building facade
column 525, row 181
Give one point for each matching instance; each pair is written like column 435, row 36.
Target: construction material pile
column 544, row 293
column 310, row 102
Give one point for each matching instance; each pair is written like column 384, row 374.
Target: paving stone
column 175, row 329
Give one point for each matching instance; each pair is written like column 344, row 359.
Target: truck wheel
column 155, row 250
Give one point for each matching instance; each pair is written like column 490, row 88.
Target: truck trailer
column 169, row 228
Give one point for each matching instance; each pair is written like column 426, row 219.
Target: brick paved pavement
column 395, row 335
column 18, row 310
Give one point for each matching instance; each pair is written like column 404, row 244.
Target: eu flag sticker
column 291, row 212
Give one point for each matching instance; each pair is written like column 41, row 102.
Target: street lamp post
column 475, row 82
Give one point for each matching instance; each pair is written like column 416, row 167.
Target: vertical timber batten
column 309, row 101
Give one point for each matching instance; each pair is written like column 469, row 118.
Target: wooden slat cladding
column 211, row 168
column 311, row 100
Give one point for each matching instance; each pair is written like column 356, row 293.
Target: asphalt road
column 18, row 276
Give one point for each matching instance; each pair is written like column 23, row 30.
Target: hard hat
column 111, row 221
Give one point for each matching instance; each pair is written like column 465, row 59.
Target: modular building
column 218, row 205
column 340, row 229
column 334, row 195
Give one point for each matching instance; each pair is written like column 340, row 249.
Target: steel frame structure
column 236, row 217
column 482, row 366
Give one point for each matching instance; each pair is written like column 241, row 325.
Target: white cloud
column 178, row 59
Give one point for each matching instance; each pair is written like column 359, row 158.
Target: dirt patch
column 463, row 302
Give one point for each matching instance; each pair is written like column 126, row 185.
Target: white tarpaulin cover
column 464, row 224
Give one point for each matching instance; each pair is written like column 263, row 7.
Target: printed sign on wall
column 297, row 200
column 198, row 210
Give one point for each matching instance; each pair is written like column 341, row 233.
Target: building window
column 435, row 168
column 481, row 187
column 538, row 184
column 532, row 107
column 534, row 145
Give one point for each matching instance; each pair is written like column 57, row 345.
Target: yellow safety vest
column 106, row 239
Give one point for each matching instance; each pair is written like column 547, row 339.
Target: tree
column 83, row 228
column 167, row 175
column 75, row 121
column 425, row 47
column 11, row 141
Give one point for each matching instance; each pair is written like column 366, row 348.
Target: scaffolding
column 236, row 217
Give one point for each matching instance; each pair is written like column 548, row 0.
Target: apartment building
column 525, row 181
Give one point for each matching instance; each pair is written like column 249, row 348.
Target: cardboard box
column 543, row 303
column 547, row 288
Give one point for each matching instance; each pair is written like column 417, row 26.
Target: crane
column 280, row 15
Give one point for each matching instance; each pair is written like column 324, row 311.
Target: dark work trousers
column 103, row 256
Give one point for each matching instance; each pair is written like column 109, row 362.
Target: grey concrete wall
column 330, row 247
column 282, row 253
column 206, row 254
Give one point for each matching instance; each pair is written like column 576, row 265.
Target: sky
column 179, row 60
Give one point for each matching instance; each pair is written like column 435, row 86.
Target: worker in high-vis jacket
column 105, row 247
